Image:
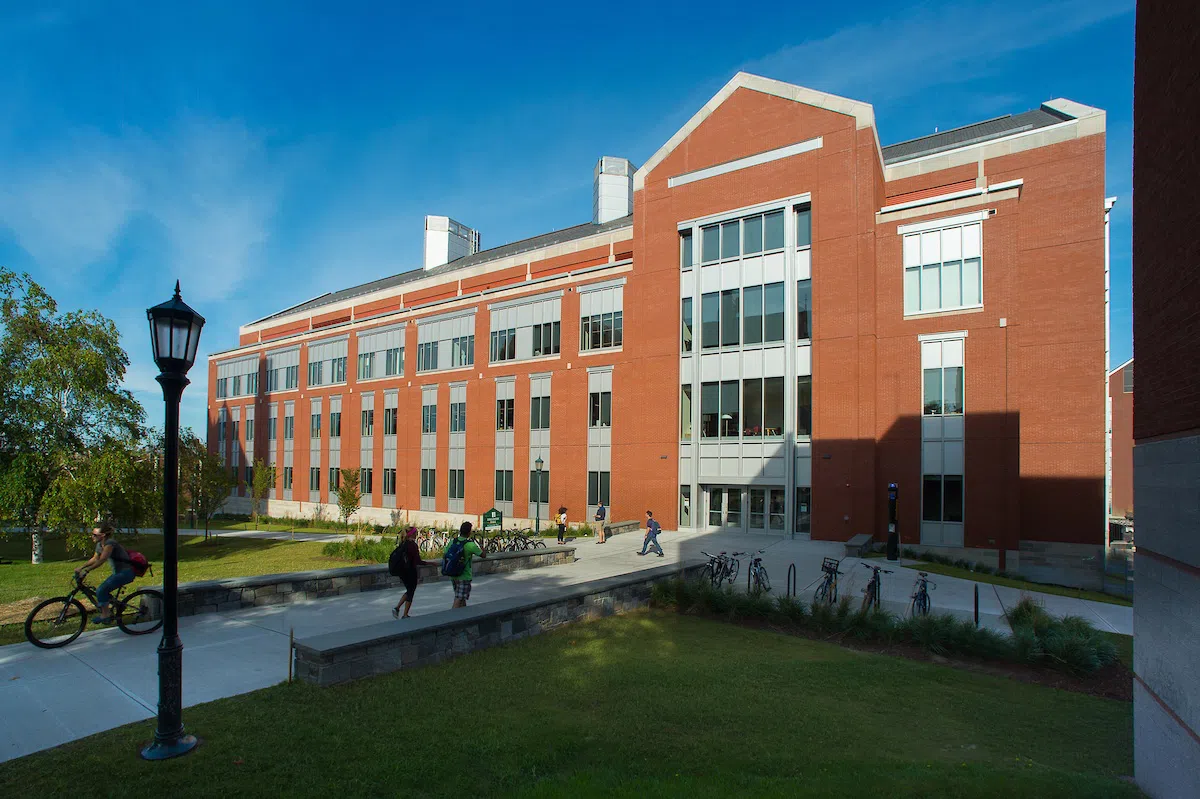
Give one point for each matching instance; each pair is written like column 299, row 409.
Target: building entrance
column 745, row 509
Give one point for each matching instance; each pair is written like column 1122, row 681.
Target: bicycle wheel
column 141, row 613
column 760, row 577
column 921, row 605
column 732, row 574
column 56, row 622
column 539, row 543
column 707, row 573
column 869, row 598
column 822, row 594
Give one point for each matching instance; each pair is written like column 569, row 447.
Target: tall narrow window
column 685, row 412
column 458, row 417
column 943, row 391
column 314, row 428
column 804, row 309
column 389, row 421
column 710, row 242
column 368, row 423
column 730, row 410
column 730, row 318
column 365, row 479
column 314, row 478
column 539, row 486
column 428, row 418
column 710, row 320
column 773, row 407
column 773, row 312
column 773, row 231
column 504, row 485
column 731, row 242
column 598, row 487
column 803, row 226
column 687, row 324
column 600, row 409
column 752, row 235
column 685, row 249
column 335, row 424
column 539, row 413
column 752, row 402
column 504, row 414
column 804, row 406
column 710, row 409
column 752, row 302
column 289, row 427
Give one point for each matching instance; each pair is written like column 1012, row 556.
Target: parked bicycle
column 758, row 574
column 719, row 568
column 827, row 592
column 874, row 588
column 59, row 621
column 920, row 597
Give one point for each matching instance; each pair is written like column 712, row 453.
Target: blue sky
column 266, row 152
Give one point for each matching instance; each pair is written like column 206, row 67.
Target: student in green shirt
column 462, row 583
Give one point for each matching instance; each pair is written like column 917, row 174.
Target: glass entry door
column 767, row 510
column 724, row 507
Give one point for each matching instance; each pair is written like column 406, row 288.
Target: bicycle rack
column 791, row 581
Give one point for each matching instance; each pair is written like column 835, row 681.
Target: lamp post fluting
column 175, row 335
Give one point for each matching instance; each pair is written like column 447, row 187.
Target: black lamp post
column 174, row 334
column 537, row 511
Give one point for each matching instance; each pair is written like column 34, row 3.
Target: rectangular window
column 365, row 476
column 752, row 235
column 539, row 486
column 287, row 478
column 773, row 231
column 289, row 428
column 803, row 226
column 803, row 509
column 389, row 481
column 804, row 406
column 730, row 318
column 504, row 414
column 773, row 312
column 237, row 385
column 710, row 320
column 458, row 484
column 389, row 421
column 368, row 423
column 1127, row 379
column 366, row 365
column 427, row 356
column 428, row 418
column 943, row 269
column 272, row 424
column 335, row 424
column 685, row 412
column 429, row 483
column 504, row 345
column 293, row 376
column 462, row 351
column 250, row 430
column 685, row 249
column 546, row 339
column 272, row 380
column 752, row 401
column 685, row 506
column 598, row 485
column 539, row 413
column 710, row 409
column 222, row 387
column 394, row 362
column 249, row 476
column 931, row 498
column 773, row 407
column 687, row 324
column 504, row 485
column 458, row 417
column 335, row 478
column 252, row 383
column 314, row 427
column 338, row 368
column 235, row 429
column 710, row 242
column 943, row 391
column 600, row 409
column 752, row 303
column 730, row 410
column 731, row 239
column 314, row 478
column 804, row 309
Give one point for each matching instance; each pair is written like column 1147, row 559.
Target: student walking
column 456, row 564
column 561, row 518
column 405, row 561
column 652, row 531
column 601, row 516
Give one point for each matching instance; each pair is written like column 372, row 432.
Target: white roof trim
column 863, row 113
column 951, row 336
column 1119, row 368
column 946, row 221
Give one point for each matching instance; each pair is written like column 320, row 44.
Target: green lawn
column 198, row 560
column 645, row 705
column 271, row 527
column 1024, row 585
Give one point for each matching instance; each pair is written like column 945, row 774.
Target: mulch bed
column 1111, row 682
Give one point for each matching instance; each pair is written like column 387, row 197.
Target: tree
column 263, row 482
column 64, row 418
column 349, row 496
column 203, row 479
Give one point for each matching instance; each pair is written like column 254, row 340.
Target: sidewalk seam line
column 109, row 680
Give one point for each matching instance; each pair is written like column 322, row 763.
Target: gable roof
column 863, row 113
column 972, row 134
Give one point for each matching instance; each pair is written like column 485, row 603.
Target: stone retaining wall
column 220, row 596
column 385, row 647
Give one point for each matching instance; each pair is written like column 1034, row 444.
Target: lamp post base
column 165, row 750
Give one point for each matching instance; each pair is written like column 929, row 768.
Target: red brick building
column 1120, row 404
column 764, row 325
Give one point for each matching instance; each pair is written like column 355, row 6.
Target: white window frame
column 920, row 233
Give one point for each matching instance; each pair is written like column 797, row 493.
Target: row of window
column 601, row 331
column 749, row 235
column 750, row 408
column 250, row 384
column 317, row 373
column 369, row 363
column 746, row 316
column 547, row 340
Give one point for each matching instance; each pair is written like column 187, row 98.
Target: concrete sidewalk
column 106, row 679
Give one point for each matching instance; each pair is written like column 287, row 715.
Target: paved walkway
column 263, row 534
column 106, row 679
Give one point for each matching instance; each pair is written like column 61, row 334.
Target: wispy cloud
column 926, row 46
column 206, row 184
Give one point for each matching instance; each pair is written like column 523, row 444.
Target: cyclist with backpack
column 456, row 564
column 403, row 563
column 123, row 573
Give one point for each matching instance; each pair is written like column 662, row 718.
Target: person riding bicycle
column 108, row 549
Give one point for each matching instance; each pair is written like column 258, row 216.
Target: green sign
column 493, row 520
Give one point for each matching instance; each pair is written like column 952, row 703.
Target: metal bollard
column 791, row 581
column 976, row 604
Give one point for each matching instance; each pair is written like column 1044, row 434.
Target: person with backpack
column 561, row 518
column 652, row 531
column 403, row 563
column 123, row 572
column 601, row 516
column 456, row 564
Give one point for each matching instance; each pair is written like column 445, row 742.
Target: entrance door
column 767, row 510
column 724, row 507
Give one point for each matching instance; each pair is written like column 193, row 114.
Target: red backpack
column 138, row 563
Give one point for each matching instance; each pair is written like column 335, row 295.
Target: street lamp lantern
column 537, row 508
column 174, row 337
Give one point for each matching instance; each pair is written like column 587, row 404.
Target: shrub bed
column 1070, row 644
column 370, row 549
